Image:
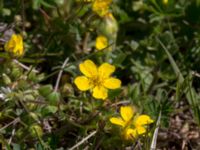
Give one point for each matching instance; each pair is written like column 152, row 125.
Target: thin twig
column 36, row 102
column 83, row 140
column 2, row 40
column 24, row 66
column 138, row 145
column 12, row 122
column 85, row 42
column 60, row 74
column 194, row 73
column 121, row 103
column 13, row 133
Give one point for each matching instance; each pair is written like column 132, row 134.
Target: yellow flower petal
column 130, row 134
column 165, row 2
column 9, row 46
column 15, row 45
column 101, row 42
column 142, row 120
column 126, row 113
column 101, row 7
column 18, row 38
column 117, row 121
column 88, row 68
column 82, row 83
column 112, row 83
column 140, row 130
column 105, row 70
column 100, row 92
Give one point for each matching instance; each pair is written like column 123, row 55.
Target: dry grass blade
column 155, row 135
column 83, row 140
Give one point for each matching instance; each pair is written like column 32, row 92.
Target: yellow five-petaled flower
column 132, row 126
column 101, row 42
column 15, row 45
column 101, row 7
column 97, row 79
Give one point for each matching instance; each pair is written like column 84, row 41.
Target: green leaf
column 53, row 98
column 114, row 93
column 119, row 59
column 172, row 62
column 49, row 110
column 135, row 91
column 45, row 90
column 47, row 4
column 36, row 4
column 16, row 146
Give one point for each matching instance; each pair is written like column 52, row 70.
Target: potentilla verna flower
column 132, row 126
column 97, row 79
column 101, row 7
column 15, row 45
column 101, row 42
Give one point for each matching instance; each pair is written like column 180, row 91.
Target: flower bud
column 36, row 131
column 16, row 72
column 6, row 79
column 109, row 26
column 34, row 116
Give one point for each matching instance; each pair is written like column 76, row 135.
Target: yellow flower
column 101, row 42
column 132, row 126
column 97, row 79
column 15, row 45
column 165, row 2
column 101, row 7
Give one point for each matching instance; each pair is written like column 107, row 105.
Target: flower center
column 96, row 81
column 129, row 123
